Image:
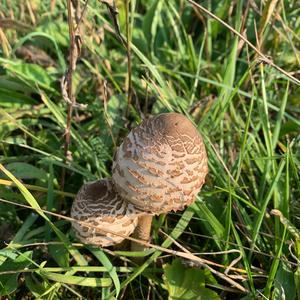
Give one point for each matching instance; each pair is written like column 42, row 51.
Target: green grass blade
column 77, row 280
column 101, row 256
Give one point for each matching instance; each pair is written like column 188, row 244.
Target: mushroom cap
column 97, row 203
column 161, row 165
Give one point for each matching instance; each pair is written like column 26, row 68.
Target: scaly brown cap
column 98, row 204
column 161, row 165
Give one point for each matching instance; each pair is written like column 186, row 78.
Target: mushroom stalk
column 142, row 232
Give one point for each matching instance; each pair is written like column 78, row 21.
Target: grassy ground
column 244, row 223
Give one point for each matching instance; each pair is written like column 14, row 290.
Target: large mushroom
column 160, row 167
column 98, row 204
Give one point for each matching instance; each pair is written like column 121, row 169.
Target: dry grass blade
column 6, row 48
column 128, row 51
column 263, row 58
column 113, row 14
column 205, row 261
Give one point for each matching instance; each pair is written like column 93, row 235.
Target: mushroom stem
column 142, row 232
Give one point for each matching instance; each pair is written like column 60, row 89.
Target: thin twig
column 67, row 80
column 263, row 58
column 68, row 88
column 205, row 261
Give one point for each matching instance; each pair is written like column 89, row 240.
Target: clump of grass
column 230, row 67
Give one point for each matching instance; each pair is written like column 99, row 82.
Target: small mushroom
column 98, row 204
column 160, row 167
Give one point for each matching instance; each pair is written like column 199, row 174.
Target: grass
column 238, row 80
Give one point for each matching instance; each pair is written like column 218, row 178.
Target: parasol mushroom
column 99, row 205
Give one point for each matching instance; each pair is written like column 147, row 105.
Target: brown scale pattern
column 161, row 165
column 98, row 204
